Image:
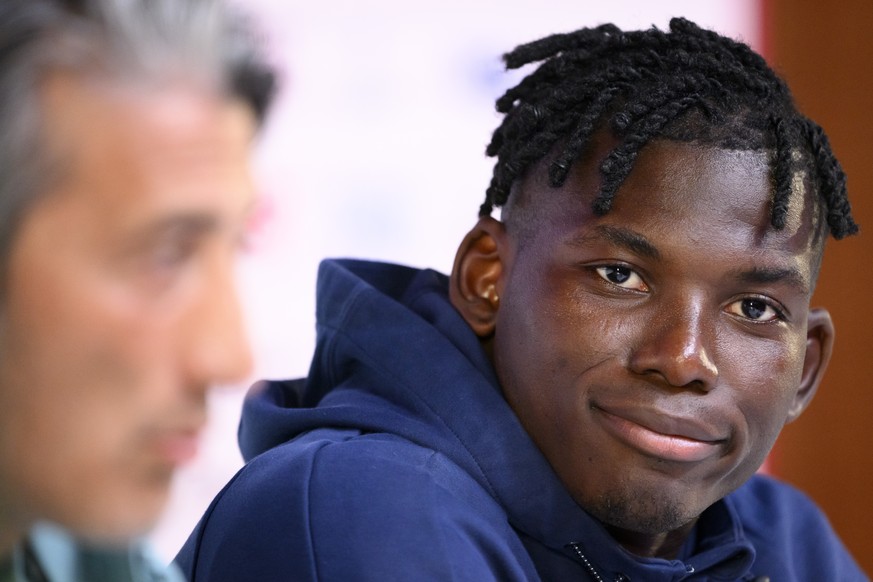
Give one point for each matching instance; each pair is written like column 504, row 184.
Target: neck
column 12, row 530
column 661, row 545
column 8, row 540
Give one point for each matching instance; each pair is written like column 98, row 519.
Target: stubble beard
column 641, row 512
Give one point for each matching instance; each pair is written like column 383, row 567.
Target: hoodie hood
column 373, row 320
column 394, row 356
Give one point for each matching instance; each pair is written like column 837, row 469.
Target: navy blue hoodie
column 399, row 459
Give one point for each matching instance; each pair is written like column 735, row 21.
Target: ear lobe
column 819, row 346
column 476, row 282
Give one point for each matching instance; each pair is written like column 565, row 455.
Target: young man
column 590, row 394
column 125, row 129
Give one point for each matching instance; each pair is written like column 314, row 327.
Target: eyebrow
column 622, row 237
column 182, row 225
column 190, row 223
column 764, row 275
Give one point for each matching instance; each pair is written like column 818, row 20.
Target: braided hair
column 688, row 84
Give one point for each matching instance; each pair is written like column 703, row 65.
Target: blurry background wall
column 376, row 150
column 825, row 50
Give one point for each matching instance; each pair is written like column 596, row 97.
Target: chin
column 116, row 531
column 119, row 517
column 642, row 512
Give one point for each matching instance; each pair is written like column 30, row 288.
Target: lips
column 660, row 434
column 177, row 447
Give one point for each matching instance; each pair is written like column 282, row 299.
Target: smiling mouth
column 667, row 447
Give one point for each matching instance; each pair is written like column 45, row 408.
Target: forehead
column 141, row 142
column 704, row 188
column 716, row 198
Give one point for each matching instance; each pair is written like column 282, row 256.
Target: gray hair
column 124, row 40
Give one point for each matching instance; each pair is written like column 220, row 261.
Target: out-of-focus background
column 375, row 149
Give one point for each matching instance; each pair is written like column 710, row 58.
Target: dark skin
column 655, row 353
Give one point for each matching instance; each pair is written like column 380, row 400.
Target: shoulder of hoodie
column 398, row 501
column 788, row 529
column 333, row 466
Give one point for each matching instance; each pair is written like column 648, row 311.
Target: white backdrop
column 375, row 149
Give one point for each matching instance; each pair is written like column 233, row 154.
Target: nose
column 679, row 347
column 218, row 350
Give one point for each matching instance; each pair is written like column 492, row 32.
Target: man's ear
column 819, row 346
column 476, row 281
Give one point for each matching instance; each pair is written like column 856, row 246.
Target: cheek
column 112, row 348
column 87, row 365
column 558, row 327
column 79, row 395
column 77, row 425
column 548, row 336
column 766, row 378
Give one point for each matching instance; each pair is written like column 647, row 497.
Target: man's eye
column 623, row 277
column 171, row 254
column 755, row 309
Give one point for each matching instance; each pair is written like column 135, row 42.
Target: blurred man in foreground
column 125, row 129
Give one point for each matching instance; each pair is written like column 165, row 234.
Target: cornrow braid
column 686, row 84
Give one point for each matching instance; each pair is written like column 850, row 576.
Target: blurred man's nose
column 218, row 350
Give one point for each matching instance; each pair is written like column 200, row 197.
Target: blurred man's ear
column 819, row 346
column 477, row 275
